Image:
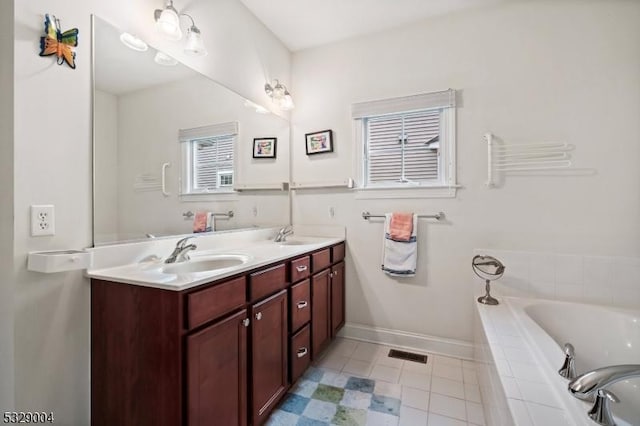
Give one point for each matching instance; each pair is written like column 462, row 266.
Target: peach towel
column 200, row 222
column 401, row 226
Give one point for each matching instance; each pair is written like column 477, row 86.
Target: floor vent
column 409, row 356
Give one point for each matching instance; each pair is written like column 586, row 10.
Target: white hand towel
column 399, row 258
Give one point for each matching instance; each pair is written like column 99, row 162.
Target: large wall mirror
column 170, row 142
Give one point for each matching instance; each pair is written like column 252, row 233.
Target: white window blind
column 208, row 158
column 407, row 142
column 212, row 159
column 403, row 148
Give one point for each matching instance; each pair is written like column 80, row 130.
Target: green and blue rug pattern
column 322, row 398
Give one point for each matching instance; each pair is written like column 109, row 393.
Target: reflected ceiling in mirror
column 148, row 176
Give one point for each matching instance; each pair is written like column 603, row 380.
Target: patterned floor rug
column 323, row 397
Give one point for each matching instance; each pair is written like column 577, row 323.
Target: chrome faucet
column 593, row 383
column 181, row 252
column 282, row 234
column 568, row 369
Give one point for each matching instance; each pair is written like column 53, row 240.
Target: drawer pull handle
column 259, row 316
column 303, row 304
column 302, row 352
column 246, row 322
column 301, row 268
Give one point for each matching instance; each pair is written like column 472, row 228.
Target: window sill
column 394, row 193
column 212, row 196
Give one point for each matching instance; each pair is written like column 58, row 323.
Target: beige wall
column 527, row 71
column 53, row 165
column 6, row 204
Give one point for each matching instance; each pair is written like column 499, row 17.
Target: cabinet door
column 337, row 298
column 217, row 373
column 269, row 354
column 320, row 312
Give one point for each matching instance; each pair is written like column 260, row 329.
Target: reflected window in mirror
column 208, row 158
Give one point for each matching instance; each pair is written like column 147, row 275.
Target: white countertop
column 148, row 271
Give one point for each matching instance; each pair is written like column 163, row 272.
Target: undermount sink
column 209, row 263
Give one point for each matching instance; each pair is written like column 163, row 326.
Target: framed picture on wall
column 319, row 142
column 264, row 147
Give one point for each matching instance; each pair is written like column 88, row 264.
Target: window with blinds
column 408, row 144
column 212, row 163
column 403, row 148
column 208, row 158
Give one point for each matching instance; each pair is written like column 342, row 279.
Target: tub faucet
column 282, row 234
column 568, row 369
column 593, row 383
column 180, row 253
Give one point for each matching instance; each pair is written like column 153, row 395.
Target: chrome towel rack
column 437, row 216
column 189, row 214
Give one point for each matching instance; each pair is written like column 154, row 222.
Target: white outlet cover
column 42, row 220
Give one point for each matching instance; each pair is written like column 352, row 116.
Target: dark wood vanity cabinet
column 224, row 353
column 269, row 355
column 337, row 298
column 217, row 373
column 328, row 299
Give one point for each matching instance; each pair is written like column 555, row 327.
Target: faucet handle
column 601, row 410
column 568, row 369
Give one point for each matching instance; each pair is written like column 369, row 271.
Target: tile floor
column 443, row 392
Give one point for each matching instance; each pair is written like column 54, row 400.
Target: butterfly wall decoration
column 56, row 42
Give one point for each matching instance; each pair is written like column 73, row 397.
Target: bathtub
column 518, row 346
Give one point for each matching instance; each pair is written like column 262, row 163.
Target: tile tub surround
column 600, row 280
column 517, row 367
column 444, row 391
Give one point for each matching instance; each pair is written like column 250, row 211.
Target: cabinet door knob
column 246, row 322
column 302, row 304
column 301, row 268
column 259, row 316
column 302, row 352
column 335, row 272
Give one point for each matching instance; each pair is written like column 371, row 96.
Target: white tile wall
column 602, row 280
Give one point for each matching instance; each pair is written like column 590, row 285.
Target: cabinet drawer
column 337, row 253
column 300, row 304
column 300, row 352
column 266, row 282
column 213, row 302
column 321, row 259
column 300, row 269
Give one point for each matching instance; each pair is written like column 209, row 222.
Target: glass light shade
column 169, row 24
column 287, row 102
column 195, row 45
column 133, row 42
column 162, row 58
column 278, row 91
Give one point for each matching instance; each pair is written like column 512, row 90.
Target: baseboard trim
column 406, row 340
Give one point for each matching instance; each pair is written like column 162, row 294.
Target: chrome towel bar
column 437, row 216
column 189, row 214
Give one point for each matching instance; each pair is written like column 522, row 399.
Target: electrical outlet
column 42, row 220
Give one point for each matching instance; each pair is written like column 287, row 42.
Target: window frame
column 446, row 185
column 187, row 147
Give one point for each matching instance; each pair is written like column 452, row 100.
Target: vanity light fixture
column 195, row 45
column 162, row 58
column 133, row 42
column 279, row 94
column 168, row 24
column 168, row 21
